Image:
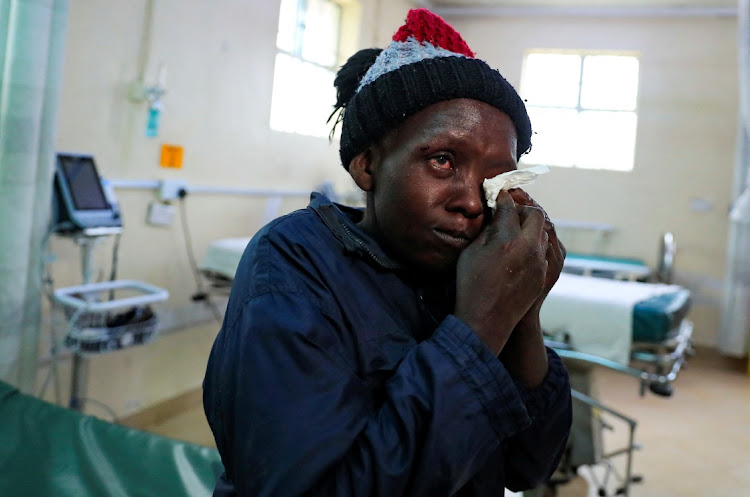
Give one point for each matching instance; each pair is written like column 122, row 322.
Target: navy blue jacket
column 334, row 374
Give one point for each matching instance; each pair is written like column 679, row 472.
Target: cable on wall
column 201, row 294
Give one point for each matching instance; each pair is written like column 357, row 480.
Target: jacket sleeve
column 532, row 454
column 291, row 416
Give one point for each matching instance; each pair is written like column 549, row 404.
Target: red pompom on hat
column 427, row 27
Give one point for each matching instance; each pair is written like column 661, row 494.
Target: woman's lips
column 457, row 239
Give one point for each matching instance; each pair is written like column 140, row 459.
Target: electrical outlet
column 160, row 214
column 170, row 188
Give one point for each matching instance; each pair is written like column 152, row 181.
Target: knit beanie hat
column 427, row 62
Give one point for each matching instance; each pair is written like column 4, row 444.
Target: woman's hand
column 502, row 274
column 524, row 354
column 555, row 255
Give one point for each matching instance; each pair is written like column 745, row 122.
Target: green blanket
column 47, row 450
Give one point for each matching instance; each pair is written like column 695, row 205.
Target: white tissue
column 512, row 179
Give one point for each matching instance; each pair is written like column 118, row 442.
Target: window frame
column 579, row 108
column 297, row 52
column 299, row 34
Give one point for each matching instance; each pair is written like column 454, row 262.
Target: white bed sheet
column 597, row 313
column 223, row 256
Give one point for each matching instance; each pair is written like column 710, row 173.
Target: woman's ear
column 360, row 169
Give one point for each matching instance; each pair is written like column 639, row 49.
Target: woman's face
column 425, row 202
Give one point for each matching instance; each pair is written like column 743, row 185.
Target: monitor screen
column 83, row 182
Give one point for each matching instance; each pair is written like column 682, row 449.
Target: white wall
column 220, row 57
column 685, row 138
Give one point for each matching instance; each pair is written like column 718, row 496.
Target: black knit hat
column 427, row 62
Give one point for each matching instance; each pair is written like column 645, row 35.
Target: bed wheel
column 662, row 389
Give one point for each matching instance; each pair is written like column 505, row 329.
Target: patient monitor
column 82, row 203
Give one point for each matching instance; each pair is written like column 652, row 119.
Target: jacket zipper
column 423, row 305
column 367, row 250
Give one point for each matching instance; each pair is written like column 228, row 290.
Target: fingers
column 506, row 219
column 559, row 253
column 518, row 213
column 533, row 223
column 563, row 250
column 556, row 260
column 531, row 214
column 521, row 197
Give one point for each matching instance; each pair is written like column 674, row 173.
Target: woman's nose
column 467, row 197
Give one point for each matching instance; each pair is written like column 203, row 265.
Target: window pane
column 287, row 25
column 606, row 140
column 610, row 82
column 551, row 79
column 554, row 138
column 301, row 110
column 321, row 33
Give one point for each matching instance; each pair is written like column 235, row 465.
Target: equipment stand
column 80, row 367
column 79, row 380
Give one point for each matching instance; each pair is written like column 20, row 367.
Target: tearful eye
column 442, row 161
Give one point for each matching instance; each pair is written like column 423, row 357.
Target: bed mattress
column 606, row 267
column 657, row 318
column 604, row 317
column 223, row 256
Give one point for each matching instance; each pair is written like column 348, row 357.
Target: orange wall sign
column 171, row 156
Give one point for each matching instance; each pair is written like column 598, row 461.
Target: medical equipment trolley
column 99, row 323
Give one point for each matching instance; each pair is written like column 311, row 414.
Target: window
column 582, row 108
column 306, row 62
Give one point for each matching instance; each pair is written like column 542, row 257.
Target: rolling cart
column 104, row 317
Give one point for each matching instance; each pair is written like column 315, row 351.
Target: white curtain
column 32, row 35
column 734, row 336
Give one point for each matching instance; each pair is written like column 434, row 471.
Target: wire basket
column 97, row 324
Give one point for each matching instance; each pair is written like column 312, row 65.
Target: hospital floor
column 694, row 444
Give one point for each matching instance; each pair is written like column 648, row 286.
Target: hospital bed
column 618, row 268
column 220, row 263
column 639, row 329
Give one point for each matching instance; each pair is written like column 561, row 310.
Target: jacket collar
column 342, row 221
